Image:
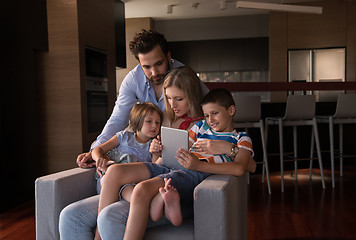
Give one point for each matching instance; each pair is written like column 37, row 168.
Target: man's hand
column 85, row 160
column 188, row 160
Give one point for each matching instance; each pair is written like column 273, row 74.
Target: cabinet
column 246, row 54
column 255, row 52
column 231, row 55
column 208, row 56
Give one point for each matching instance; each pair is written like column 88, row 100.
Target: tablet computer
column 173, row 139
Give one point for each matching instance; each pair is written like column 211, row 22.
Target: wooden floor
column 303, row 211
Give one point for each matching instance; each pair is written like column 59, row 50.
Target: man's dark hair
column 145, row 41
column 219, row 96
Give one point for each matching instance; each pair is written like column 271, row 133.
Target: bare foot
column 156, row 209
column 251, row 167
column 171, row 200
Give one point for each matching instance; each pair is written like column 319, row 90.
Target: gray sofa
column 220, row 206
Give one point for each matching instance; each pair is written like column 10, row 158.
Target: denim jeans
column 78, row 220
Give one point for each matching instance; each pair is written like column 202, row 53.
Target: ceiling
column 186, row 9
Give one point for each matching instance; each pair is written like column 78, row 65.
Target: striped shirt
column 201, row 130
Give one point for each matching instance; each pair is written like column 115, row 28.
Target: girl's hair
column 140, row 111
column 185, row 79
column 220, row 96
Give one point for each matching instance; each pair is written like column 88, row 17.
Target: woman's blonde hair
column 185, row 79
column 140, row 111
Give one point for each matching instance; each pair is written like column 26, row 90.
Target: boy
column 219, row 108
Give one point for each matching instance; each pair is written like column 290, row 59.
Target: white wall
column 214, row 28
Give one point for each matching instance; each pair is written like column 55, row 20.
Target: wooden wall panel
column 61, row 87
column 72, row 25
column 319, row 31
column 277, row 52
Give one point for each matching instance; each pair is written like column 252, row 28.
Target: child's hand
column 156, row 147
column 188, row 160
column 209, row 146
column 102, row 165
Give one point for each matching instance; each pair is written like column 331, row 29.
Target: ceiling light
column 195, row 5
column 222, row 4
column 279, row 7
column 170, row 8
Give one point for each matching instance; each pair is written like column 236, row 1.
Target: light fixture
column 195, row 5
column 279, row 7
column 222, row 4
column 170, row 8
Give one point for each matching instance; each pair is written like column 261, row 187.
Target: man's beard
column 157, row 81
column 161, row 76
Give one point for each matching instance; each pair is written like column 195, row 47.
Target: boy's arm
column 237, row 168
column 216, row 147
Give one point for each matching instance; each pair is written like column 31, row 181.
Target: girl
column 127, row 146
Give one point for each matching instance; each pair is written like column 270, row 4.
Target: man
column 142, row 84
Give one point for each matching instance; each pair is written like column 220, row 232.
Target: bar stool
column 248, row 115
column 300, row 111
column 345, row 113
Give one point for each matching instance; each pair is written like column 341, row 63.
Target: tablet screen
column 173, row 139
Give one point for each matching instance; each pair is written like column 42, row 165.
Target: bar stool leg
column 332, row 159
column 341, row 143
column 248, row 174
column 319, row 151
column 265, row 161
column 295, row 156
column 311, row 155
column 281, row 158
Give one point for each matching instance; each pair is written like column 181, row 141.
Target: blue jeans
column 78, row 220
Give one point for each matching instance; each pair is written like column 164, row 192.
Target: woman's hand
column 156, row 147
column 188, row 160
column 214, row 147
column 85, row 160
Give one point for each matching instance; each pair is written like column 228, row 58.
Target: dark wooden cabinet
column 208, row 56
column 231, row 55
column 247, row 54
column 255, row 52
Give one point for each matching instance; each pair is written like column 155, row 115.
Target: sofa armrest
column 55, row 191
column 220, row 208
